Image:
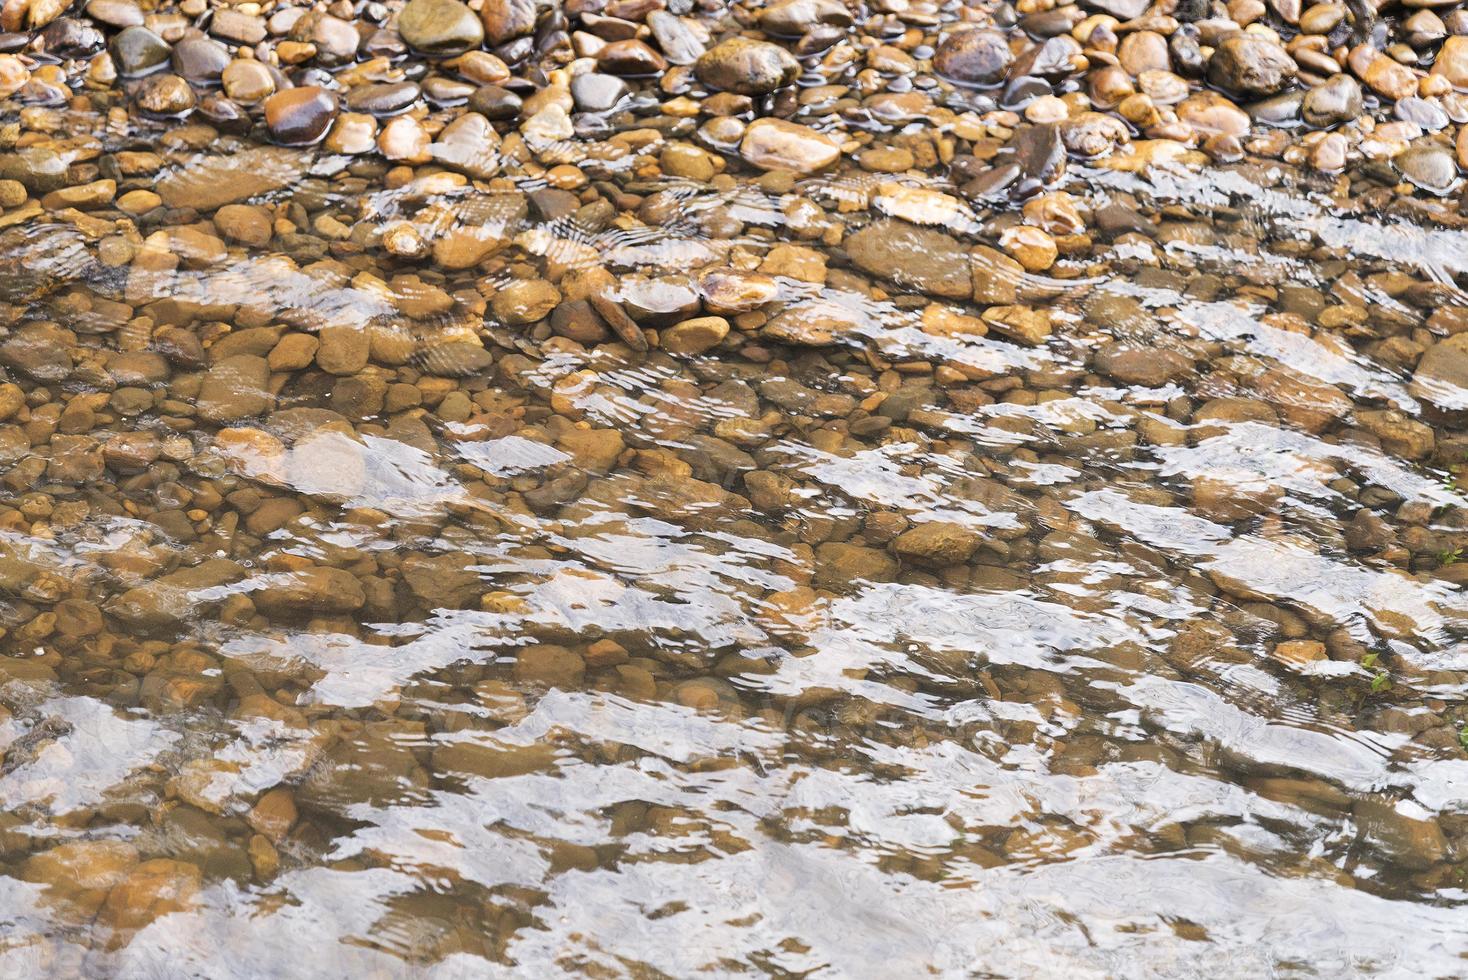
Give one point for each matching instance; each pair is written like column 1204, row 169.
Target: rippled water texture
column 356, row 626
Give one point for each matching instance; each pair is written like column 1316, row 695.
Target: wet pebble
column 747, row 67
column 165, row 95
column 974, row 57
column 1250, row 65
column 300, row 116
column 1430, row 167
column 139, row 51
column 439, row 27
column 775, row 144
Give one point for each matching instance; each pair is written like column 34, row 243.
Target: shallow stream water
column 366, row 614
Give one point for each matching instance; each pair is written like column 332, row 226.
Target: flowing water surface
column 372, row 612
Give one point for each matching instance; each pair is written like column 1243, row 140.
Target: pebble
column 915, row 257
column 551, row 666
column 938, row 543
column 138, row 51
column 1334, row 101
column 439, row 27
column 165, row 95
column 630, row 58
column 1430, row 167
column 1149, row 367
column 595, row 92
column 300, row 116
column 974, row 57
column 234, row 389
column 747, row 67
column 200, row 59
column 792, row 18
column 1452, row 61
column 505, row 20
column 695, row 336
column 13, row 75
column 1441, row 376
column 1250, row 65
column 494, row 102
column 526, row 301
column 775, row 144
column 247, row 81
column 288, row 595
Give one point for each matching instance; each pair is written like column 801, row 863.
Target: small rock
column 1452, row 61
column 440, row 27
column 235, row 389
column 1148, row 366
column 596, row 92
column 775, row 144
column 247, row 81
column 244, row 223
column 150, row 891
column 975, row 57
column 1251, row 65
column 1412, row 841
column 792, row 18
column 630, row 58
column 525, row 301
column 343, row 349
column 939, row 543
column 912, row 256
column 1335, row 100
column 94, row 195
column 1442, row 374
column 1430, row 167
column 165, row 95
column 309, row 591
column 138, row 51
column 697, row 335
column 1298, row 653
column 842, row 566
column 300, row 116
column 747, row 67
column 494, row 102
column 553, row 666
column 505, row 20
column 679, row 43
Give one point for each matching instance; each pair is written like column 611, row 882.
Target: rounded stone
column 384, row 98
column 747, row 67
column 494, row 102
column 300, row 116
column 794, row 18
column 1430, row 167
column 526, row 301
column 630, row 58
column 115, row 13
column 775, row 144
column 505, row 20
column 1452, row 61
column 248, row 81
column 1442, row 374
column 695, row 336
column 200, row 59
column 165, row 95
column 1251, row 66
column 138, row 51
column 595, row 92
column 1148, row 366
column 440, row 27
column 977, row 57
column 1335, row 100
